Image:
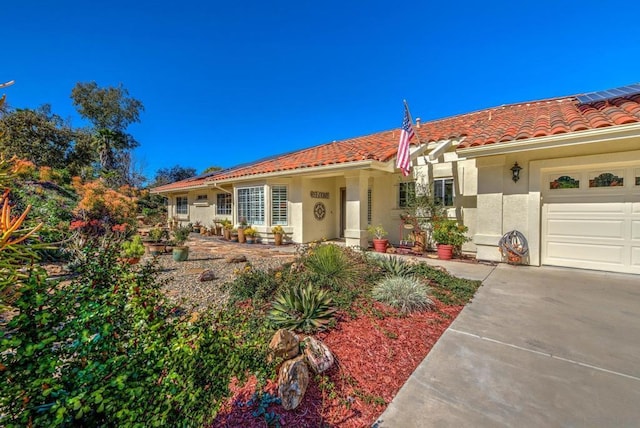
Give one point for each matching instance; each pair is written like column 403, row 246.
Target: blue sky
column 225, row 83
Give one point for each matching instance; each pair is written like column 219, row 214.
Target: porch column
column 355, row 232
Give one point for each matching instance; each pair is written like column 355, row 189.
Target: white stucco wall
column 504, row 205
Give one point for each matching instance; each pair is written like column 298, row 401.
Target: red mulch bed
column 376, row 352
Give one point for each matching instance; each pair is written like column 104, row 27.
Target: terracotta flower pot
column 380, row 245
column 445, row 251
column 227, row 234
column 241, row 237
column 277, row 238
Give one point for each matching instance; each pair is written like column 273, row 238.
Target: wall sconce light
column 515, row 172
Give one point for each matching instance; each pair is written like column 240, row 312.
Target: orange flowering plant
column 449, row 232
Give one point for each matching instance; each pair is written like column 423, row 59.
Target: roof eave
column 554, row 141
column 322, row 169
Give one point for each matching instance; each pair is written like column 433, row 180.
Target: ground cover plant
column 376, row 345
column 108, row 348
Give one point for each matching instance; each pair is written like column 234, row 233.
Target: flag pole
column 406, row 106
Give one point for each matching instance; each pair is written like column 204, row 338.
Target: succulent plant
column 302, row 308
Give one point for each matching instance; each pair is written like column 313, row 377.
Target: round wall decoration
column 319, row 211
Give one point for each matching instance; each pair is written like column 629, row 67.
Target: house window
column 606, row 179
column 251, row 204
column 406, row 193
column 201, row 198
column 279, row 205
column 223, row 204
column 182, row 205
column 368, row 206
column 443, row 191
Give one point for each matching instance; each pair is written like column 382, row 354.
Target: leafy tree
column 44, row 138
column 212, row 169
column 110, row 111
column 170, row 175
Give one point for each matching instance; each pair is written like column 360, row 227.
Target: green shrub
column 108, row 349
column 403, row 293
column 447, row 288
column 258, row 285
column 331, row 267
column 133, row 248
column 302, row 308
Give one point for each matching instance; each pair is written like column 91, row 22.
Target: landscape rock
column 318, row 355
column 293, row 380
column 284, row 344
column 239, row 258
column 207, row 275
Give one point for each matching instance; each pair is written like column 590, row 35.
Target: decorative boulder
column 236, row 259
column 317, row 354
column 284, row 344
column 207, row 275
column 292, row 382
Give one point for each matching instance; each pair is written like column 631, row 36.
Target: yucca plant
column 302, row 308
column 406, row 294
column 331, row 267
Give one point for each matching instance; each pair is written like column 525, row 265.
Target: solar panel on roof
column 608, row 94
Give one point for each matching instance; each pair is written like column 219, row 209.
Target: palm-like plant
column 302, row 308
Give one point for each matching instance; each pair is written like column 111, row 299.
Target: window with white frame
column 182, row 205
column 406, row 192
column 443, row 191
column 279, row 212
column 251, row 204
column 223, row 204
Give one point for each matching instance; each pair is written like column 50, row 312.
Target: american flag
column 406, row 134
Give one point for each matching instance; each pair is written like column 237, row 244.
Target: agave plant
column 302, row 308
column 395, row 266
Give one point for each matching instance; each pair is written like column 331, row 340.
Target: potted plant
column 278, row 234
column 241, row 227
column 196, row 226
column 156, row 246
column 234, row 234
column 250, row 234
column 379, row 242
column 132, row 250
column 449, row 237
column 180, row 236
column 227, row 227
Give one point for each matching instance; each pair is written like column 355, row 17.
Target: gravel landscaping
column 184, row 284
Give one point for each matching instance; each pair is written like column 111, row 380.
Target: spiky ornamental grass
column 406, row 294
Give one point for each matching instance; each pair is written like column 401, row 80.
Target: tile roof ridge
column 569, row 98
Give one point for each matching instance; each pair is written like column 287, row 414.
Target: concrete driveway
column 538, row 347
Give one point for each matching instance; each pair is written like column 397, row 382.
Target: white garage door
column 591, row 219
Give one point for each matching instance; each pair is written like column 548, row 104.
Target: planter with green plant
column 233, row 234
column 180, row 236
column 132, row 250
column 278, row 234
column 380, row 244
column 155, row 241
column 241, row 227
column 449, row 237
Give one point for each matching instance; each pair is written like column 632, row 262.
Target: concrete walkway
column 537, row 347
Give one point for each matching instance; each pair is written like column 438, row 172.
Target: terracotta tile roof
column 531, row 120
column 381, row 146
column 490, row 126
